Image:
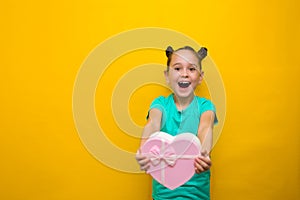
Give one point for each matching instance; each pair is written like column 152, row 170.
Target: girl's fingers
column 144, row 161
column 202, row 164
column 139, row 156
column 145, row 167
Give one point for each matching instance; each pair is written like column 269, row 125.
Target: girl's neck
column 183, row 102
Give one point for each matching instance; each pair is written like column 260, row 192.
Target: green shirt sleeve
column 206, row 105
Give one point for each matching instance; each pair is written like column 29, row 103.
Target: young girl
column 182, row 112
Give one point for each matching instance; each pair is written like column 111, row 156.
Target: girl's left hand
column 202, row 163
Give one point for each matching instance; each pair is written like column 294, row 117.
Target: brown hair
column 201, row 54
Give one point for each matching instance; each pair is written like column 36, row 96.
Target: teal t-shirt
column 175, row 122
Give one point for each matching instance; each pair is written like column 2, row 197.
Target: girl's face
column 184, row 73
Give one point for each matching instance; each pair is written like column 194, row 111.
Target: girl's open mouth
column 184, row 84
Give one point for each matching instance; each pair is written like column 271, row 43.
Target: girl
column 183, row 111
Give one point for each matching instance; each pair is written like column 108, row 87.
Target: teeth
column 184, row 84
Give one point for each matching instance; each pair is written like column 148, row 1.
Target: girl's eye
column 176, row 68
column 192, row 69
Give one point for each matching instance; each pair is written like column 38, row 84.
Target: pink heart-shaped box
column 172, row 157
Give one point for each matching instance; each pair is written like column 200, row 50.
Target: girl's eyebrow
column 194, row 65
column 175, row 64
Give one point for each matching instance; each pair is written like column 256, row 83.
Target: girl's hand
column 202, row 163
column 143, row 161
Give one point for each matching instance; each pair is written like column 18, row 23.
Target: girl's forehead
column 183, row 56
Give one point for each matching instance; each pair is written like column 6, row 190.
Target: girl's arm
column 205, row 135
column 152, row 126
column 205, row 130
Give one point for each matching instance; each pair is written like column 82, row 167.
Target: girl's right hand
column 143, row 161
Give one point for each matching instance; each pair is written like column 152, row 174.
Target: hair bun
column 169, row 51
column 202, row 53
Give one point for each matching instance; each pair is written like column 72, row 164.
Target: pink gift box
column 172, row 157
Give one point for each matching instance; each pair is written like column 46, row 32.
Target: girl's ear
column 201, row 77
column 166, row 73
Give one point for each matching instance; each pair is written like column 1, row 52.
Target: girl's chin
column 184, row 93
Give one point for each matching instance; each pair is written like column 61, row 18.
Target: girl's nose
column 184, row 73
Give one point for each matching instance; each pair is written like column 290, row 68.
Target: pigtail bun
column 169, row 51
column 202, row 53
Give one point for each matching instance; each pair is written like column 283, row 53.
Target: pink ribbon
column 167, row 155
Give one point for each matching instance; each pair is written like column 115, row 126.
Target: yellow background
column 255, row 45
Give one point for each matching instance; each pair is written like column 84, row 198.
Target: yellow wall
column 255, row 45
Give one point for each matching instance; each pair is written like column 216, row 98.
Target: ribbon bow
column 157, row 155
